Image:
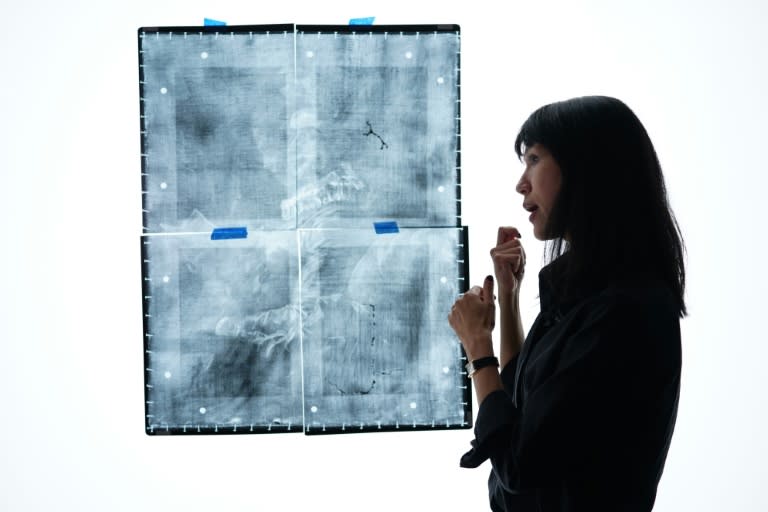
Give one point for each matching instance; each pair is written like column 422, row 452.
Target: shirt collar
column 551, row 287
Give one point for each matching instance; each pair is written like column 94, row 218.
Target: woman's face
column 539, row 185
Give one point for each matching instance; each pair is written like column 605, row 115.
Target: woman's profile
column 578, row 415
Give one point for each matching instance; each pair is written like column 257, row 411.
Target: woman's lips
column 533, row 215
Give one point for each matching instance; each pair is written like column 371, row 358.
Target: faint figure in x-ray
column 324, row 199
column 238, row 324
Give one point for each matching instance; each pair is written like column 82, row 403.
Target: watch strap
column 478, row 364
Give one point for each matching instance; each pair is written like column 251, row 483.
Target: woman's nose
column 522, row 186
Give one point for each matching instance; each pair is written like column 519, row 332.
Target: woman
column 581, row 415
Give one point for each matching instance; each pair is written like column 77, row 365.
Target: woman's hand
column 508, row 262
column 472, row 317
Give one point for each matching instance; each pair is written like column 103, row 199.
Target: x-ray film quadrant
column 377, row 129
column 378, row 352
column 217, row 139
column 223, row 347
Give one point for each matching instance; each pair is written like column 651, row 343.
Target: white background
column 71, row 378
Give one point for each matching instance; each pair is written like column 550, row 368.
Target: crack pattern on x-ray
column 371, row 132
column 343, row 392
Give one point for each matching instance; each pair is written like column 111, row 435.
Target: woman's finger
column 506, row 233
column 475, row 290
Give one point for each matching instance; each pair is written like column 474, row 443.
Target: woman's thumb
column 488, row 288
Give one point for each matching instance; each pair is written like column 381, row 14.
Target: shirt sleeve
column 508, row 374
column 498, row 405
column 576, row 412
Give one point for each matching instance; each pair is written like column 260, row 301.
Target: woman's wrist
column 481, row 346
column 509, row 297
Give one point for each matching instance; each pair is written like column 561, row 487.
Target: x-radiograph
column 305, row 137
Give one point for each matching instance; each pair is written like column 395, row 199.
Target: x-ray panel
column 378, row 129
column 223, row 349
column 378, row 350
column 297, row 141
column 217, row 146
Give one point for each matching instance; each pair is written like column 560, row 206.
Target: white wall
column 71, row 387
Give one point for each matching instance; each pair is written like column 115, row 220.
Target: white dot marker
column 310, row 54
column 446, row 369
column 440, row 80
column 163, row 90
column 413, row 405
column 163, row 185
column 204, row 55
column 313, row 408
column 408, row 55
column 166, row 279
column 167, row 375
column 441, row 188
column 443, row 279
column 203, row 410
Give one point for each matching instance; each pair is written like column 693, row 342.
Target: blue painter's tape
column 229, row 233
column 208, row 22
column 362, row 21
column 385, row 227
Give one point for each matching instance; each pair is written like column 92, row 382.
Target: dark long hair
column 612, row 204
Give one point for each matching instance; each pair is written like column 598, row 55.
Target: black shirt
column 589, row 404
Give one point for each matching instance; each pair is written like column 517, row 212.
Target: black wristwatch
column 477, row 364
